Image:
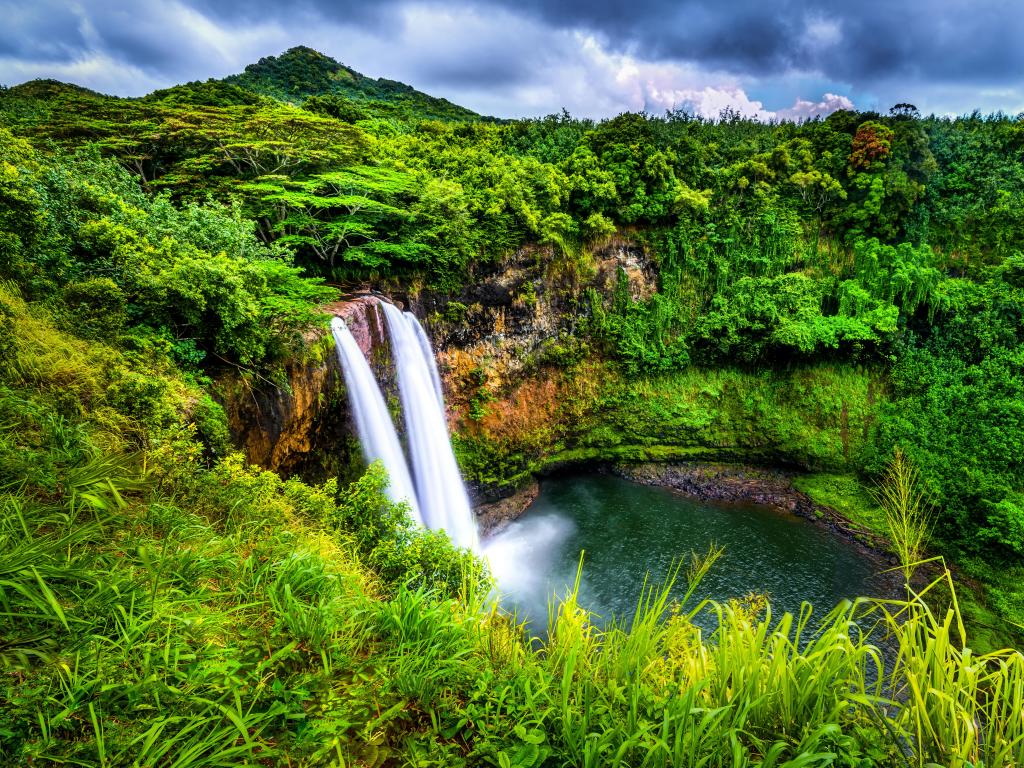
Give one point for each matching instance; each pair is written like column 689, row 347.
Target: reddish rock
column 303, row 425
column 365, row 319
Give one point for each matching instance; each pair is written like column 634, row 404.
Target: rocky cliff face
column 533, row 296
column 513, row 320
column 527, row 393
column 302, row 424
column 490, row 339
column 287, row 426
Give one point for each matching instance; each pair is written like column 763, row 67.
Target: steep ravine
column 528, row 394
column 526, row 397
column 486, row 334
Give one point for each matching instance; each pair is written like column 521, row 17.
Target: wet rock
column 365, row 319
column 496, row 515
column 289, row 427
column 722, row 482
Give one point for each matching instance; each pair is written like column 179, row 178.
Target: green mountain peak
column 302, row 72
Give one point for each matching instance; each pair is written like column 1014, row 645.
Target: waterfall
column 438, row 498
column 439, row 489
column 428, row 353
column 373, row 421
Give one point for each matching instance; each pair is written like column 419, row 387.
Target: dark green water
column 628, row 530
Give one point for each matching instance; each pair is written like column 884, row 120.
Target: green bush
column 398, row 551
column 97, row 308
column 212, row 426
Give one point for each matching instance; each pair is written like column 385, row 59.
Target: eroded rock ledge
column 722, row 482
column 301, row 423
column 491, row 517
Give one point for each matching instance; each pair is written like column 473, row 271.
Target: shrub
column 212, row 426
column 398, row 551
column 97, row 308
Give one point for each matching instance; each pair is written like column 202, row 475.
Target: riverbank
column 741, row 483
column 712, row 482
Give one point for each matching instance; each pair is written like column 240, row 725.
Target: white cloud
column 552, row 69
column 709, row 101
column 821, row 33
column 97, row 71
column 803, row 109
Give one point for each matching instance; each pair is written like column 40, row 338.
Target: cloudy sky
column 785, row 58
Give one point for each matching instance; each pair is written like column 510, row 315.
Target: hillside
column 301, row 72
column 300, row 76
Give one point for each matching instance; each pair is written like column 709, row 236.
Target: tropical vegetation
column 844, row 296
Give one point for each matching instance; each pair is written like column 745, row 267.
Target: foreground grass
column 222, row 618
column 990, row 598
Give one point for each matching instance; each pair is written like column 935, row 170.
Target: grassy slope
column 154, row 611
column 991, row 599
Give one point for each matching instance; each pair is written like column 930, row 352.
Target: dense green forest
column 161, row 603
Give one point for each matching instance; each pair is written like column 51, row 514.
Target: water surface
column 627, row 531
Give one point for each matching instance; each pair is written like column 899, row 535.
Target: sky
column 526, row 58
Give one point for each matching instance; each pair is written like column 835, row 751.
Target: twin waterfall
column 373, row 422
column 433, row 490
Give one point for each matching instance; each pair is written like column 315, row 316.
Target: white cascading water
column 373, row 421
column 428, row 353
column 439, row 488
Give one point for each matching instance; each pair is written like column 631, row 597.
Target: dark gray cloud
column 338, row 11
column 537, row 55
column 954, row 39
column 43, row 31
column 482, row 72
column 741, row 35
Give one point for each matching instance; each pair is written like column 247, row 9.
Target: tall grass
column 908, row 510
column 193, row 652
column 186, row 617
column 765, row 691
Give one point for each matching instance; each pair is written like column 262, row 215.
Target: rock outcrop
column 301, row 424
column 494, row 516
column 735, row 483
column 489, row 337
column 288, row 426
column 515, row 318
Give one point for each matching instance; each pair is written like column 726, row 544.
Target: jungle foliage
column 163, row 604
column 880, row 240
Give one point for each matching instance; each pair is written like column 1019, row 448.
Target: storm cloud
column 946, row 39
column 787, row 59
